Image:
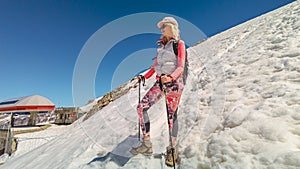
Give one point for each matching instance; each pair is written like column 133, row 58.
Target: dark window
column 9, row 102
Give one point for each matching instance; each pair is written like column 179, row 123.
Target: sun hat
column 167, row 20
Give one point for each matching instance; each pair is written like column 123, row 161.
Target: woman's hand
column 140, row 79
column 166, row 79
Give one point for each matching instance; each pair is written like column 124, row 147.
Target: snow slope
column 240, row 108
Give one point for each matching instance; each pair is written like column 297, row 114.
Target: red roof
column 28, row 103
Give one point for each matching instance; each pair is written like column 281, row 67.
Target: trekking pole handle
column 141, row 78
column 161, row 85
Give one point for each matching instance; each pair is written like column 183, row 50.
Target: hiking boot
column 169, row 156
column 145, row 148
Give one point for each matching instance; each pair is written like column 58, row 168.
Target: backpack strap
column 175, row 47
column 185, row 71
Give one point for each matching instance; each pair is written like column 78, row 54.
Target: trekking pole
column 139, row 118
column 163, row 87
column 143, row 79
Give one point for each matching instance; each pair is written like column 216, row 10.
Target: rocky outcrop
column 111, row 96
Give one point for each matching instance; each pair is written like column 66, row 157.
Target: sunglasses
column 164, row 26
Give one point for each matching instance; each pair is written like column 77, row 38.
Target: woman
column 168, row 68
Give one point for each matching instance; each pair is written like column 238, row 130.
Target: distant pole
column 8, row 142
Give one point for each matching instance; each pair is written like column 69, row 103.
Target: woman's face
column 166, row 30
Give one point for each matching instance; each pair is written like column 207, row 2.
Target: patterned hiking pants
column 173, row 91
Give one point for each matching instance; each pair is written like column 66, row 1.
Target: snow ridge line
column 32, row 138
column 247, row 33
column 196, row 121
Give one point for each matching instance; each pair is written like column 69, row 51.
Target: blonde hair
column 175, row 30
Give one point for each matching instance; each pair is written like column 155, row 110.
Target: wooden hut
column 65, row 115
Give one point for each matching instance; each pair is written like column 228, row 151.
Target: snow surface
column 30, row 141
column 240, row 108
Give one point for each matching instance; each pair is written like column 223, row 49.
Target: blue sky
column 40, row 40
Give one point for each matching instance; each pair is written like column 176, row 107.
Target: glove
column 141, row 78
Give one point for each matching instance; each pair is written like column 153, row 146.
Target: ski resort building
column 31, row 106
column 23, row 111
